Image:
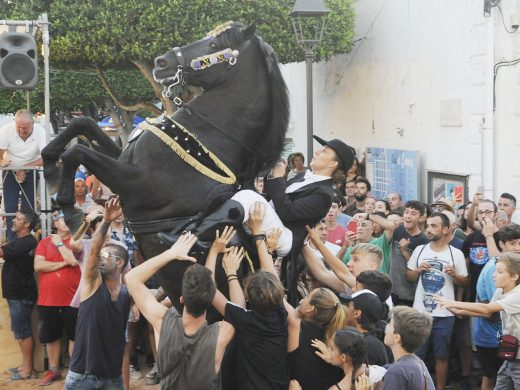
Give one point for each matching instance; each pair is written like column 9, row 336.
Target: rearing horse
column 191, row 162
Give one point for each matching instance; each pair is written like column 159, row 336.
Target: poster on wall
column 392, row 170
column 451, row 187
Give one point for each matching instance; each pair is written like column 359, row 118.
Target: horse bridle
column 178, row 83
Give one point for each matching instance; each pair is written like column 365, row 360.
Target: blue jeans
column 440, row 338
column 76, row 381
column 11, row 189
column 21, row 313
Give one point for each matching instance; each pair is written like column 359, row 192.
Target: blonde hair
column 368, row 248
column 329, row 313
column 512, row 262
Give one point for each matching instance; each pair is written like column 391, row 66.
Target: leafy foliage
column 115, row 34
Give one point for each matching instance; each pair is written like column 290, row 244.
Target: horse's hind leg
column 77, row 127
column 111, row 172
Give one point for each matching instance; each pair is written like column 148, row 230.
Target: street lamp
column 308, row 19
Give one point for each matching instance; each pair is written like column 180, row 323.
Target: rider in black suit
column 306, row 202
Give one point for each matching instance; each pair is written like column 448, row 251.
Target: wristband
column 231, row 275
column 257, row 237
column 59, row 244
column 230, row 280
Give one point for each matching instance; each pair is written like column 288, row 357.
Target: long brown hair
column 329, row 313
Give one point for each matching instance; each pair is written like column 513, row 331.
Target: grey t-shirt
column 408, row 373
column 400, row 286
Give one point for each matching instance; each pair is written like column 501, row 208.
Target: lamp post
column 308, row 19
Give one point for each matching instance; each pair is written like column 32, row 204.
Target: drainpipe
column 488, row 122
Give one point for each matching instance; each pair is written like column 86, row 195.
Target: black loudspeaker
column 18, row 61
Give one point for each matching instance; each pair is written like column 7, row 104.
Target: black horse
column 188, row 164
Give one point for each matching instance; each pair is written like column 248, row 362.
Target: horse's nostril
column 161, row 62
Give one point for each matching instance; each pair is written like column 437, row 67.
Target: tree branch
column 134, row 107
column 146, row 70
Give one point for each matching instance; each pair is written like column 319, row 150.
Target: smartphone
column 352, row 226
column 480, row 189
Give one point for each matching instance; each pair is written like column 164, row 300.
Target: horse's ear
column 248, row 32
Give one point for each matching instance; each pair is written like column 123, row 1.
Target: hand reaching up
column 221, row 240
column 313, row 235
column 112, row 209
column 232, row 259
column 256, row 217
column 179, row 250
column 272, row 240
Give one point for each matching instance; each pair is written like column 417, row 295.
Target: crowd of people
column 353, row 292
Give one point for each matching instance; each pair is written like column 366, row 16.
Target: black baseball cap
column 344, row 152
column 366, row 301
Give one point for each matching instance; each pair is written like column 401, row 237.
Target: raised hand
column 112, row 209
column 256, row 217
column 179, row 250
column 221, row 240
column 279, row 169
column 313, row 235
column 272, row 239
column 488, row 227
column 232, row 259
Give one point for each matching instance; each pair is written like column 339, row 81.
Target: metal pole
column 45, row 198
column 309, row 57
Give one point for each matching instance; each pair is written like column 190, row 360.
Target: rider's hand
column 279, row 169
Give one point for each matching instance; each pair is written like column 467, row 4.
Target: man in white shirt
column 21, row 143
column 438, row 267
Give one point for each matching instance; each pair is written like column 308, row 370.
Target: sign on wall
column 392, row 170
column 453, row 188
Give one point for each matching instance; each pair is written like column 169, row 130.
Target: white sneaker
column 134, row 374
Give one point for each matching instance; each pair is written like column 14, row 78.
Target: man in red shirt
column 59, row 277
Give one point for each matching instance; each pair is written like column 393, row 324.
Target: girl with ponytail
column 319, row 316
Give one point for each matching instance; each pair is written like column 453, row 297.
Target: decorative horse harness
column 178, row 84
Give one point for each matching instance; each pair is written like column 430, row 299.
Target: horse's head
column 203, row 63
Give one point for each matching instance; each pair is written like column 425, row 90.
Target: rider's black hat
column 344, row 152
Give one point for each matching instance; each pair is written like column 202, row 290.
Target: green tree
column 108, row 34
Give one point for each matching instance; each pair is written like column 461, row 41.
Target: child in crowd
column 407, row 331
column 506, row 301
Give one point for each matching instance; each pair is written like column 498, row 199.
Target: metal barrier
column 40, row 194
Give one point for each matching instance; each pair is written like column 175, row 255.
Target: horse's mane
column 273, row 138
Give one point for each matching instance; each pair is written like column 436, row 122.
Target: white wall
column 413, row 57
